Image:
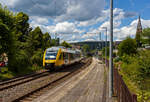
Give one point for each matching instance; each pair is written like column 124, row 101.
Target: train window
column 65, row 55
column 50, row 55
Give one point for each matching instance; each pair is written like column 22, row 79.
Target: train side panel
column 59, row 59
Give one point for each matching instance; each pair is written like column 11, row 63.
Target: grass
column 6, row 74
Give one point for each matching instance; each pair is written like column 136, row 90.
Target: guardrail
column 120, row 88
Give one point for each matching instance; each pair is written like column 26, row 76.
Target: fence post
column 134, row 98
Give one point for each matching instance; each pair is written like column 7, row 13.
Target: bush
column 128, row 47
column 21, row 61
column 37, row 58
column 137, row 69
column 103, row 51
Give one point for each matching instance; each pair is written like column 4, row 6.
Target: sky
column 83, row 20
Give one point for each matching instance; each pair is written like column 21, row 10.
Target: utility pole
column 105, row 45
column 106, row 48
column 111, row 52
column 100, row 39
column 55, row 35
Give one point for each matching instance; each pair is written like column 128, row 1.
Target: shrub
column 127, row 46
column 37, row 58
column 21, row 61
column 137, row 69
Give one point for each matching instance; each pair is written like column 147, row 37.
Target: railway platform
column 86, row 86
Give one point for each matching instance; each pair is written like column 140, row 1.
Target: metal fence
column 120, row 89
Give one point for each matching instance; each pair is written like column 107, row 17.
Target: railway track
column 33, row 86
column 5, row 81
column 18, row 81
column 36, row 93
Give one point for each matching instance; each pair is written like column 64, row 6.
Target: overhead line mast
column 111, row 52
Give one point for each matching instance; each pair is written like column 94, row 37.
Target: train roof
column 67, row 50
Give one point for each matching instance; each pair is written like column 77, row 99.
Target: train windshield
column 51, row 55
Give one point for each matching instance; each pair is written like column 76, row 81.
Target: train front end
column 49, row 59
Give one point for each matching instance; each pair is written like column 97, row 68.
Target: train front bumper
column 50, row 61
column 49, row 64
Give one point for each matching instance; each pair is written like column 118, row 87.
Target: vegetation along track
column 36, row 87
column 21, row 80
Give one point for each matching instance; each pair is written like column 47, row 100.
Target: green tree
column 8, row 41
column 18, row 56
column 46, row 40
column 6, row 17
column 137, row 69
column 53, row 42
column 37, row 38
column 127, row 46
column 146, row 36
column 35, row 46
column 86, row 48
column 103, row 51
column 138, row 39
column 4, row 36
column 22, row 45
column 65, row 44
column 22, row 25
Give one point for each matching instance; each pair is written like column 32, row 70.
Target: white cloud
column 36, row 21
column 88, row 35
column 70, row 15
column 89, row 40
column 64, row 28
column 83, row 10
column 10, row 3
column 119, row 14
column 129, row 30
column 103, row 17
column 79, row 10
column 69, row 30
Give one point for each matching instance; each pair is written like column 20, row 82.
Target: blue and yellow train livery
column 60, row 56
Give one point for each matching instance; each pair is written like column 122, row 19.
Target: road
column 86, row 86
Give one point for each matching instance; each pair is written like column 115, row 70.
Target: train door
column 66, row 60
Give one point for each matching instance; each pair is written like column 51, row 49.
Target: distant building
column 92, row 44
column 76, row 46
column 138, row 33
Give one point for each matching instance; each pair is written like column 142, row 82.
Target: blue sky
column 141, row 7
column 82, row 20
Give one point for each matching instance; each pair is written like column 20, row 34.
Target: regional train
column 59, row 56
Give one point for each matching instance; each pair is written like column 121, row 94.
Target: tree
column 7, row 35
column 127, row 46
column 22, row 26
column 138, row 39
column 65, row 44
column 6, row 17
column 146, row 36
column 35, row 46
column 4, row 36
column 103, row 51
column 46, row 40
column 36, row 39
column 86, row 48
